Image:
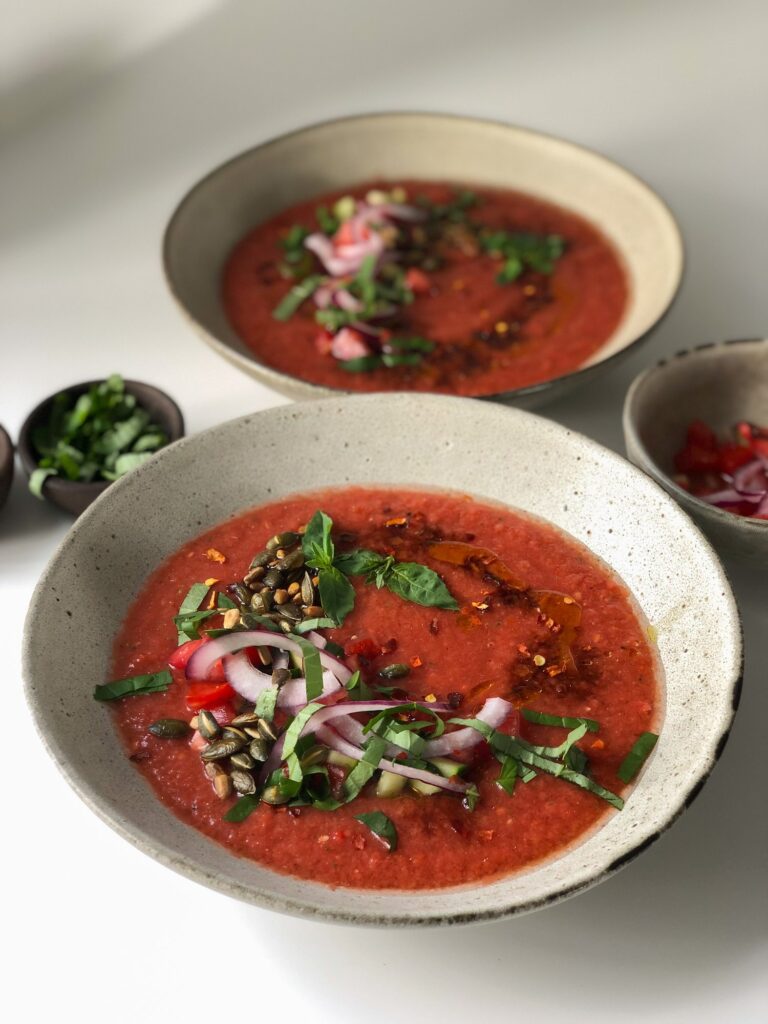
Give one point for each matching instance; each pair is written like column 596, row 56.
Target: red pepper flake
column 416, row 662
column 480, row 605
column 597, row 745
column 431, row 698
column 214, row 555
column 210, row 581
column 397, row 521
column 486, row 834
column 434, row 627
column 524, row 650
column 359, row 842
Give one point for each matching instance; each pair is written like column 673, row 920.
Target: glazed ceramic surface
column 73, row 495
column 720, row 384
column 259, row 183
column 424, row 441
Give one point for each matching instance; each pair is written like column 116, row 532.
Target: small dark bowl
column 72, row 495
column 6, row 465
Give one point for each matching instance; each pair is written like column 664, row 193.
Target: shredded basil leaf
column 381, row 826
column 309, row 624
column 293, row 732
column 152, row 682
column 541, row 718
column 188, row 607
column 635, row 759
column 266, row 703
column 38, row 478
column 296, row 296
column 364, row 769
column 508, row 775
column 337, row 595
column 313, row 670
column 245, row 805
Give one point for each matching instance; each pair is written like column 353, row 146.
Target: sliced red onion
column 493, row 713
column 762, row 508
column 401, row 211
column 293, row 694
column 323, row 296
column 204, row 658
column 332, row 739
column 730, row 496
column 316, row 638
column 341, row 260
column 351, row 730
column 348, row 344
column 346, row 300
column 751, row 478
column 244, row 678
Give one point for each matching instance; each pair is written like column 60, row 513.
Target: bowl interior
column 6, row 465
column 240, row 194
column 383, row 439
column 720, row 384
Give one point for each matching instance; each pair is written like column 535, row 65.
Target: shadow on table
column 24, row 523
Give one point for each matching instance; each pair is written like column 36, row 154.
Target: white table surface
column 105, row 139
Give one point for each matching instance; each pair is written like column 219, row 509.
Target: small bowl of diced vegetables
column 75, row 443
column 698, row 424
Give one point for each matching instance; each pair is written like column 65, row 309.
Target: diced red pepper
column 346, row 234
column 323, row 342
column 208, row 695
column 731, row 456
column 417, row 281
column 178, row 660
column 364, row 647
column 701, row 435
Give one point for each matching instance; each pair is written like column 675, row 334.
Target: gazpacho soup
column 425, row 286
column 386, row 688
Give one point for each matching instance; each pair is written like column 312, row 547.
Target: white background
column 108, row 112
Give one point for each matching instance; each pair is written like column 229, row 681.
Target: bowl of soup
column 348, row 672
column 421, row 252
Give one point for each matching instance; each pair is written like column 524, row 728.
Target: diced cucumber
column 390, row 784
column 341, row 760
column 423, row 788
column 447, row 767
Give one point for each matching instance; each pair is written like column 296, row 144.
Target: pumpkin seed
column 315, row 755
column 259, row 749
column 246, row 718
column 396, row 671
column 207, row 725
column 222, row 786
column 280, row 676
column 243, row 782
column 231, row 618
column 242, row 759
column 254, row 575
column 240, row 594
column 169, row 728
column 224, row 747
column 273, row 543
column 266, row 730
column 290, row 612
column 261, row 603
column 260, row 560
column 272, row 578
column 293, row 560
column 230, row 732
column 288, row 539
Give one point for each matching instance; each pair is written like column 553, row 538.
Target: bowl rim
column 278, row 379
column 629, row 424
column 187, row 865
column 172, row 414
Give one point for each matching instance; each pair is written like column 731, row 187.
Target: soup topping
column 731, row 474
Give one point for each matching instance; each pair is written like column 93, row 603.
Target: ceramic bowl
column 259, row 183
column 6, row 465
column 74, row 496
column 720, row 384
column 432, row 441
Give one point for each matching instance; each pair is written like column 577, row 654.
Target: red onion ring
column 204, row 658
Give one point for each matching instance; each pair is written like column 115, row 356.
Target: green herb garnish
column 635, row 759
column 313, row 670
column 541, row 718
column 101, row 435
column 152, row 682
column 520, row 251
column 410, row 580
column 190, row 615
column 266, row 703
column 245, row 805
column 381, row 827
column 296, row 296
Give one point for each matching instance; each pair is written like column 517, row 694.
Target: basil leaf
column 245, row 805
column 635, row 759
column 293, row 732
column 37, row 479
column 152, row 682
column 189, row 605
column 359, row 563
column 329, row 224
column 129, row 461
column 334, row 648
column 309, row 624
column 508, row 775
column 316, row 543
column 296, row 296
column 416, row 583
column 122, row 434
column 364, row 769
column 390, row 359
column 404, row 736
column 187, row 625
column 414, row 344
column 266, row 703
column 381, row 827
column 541, row 718
column 471, row 797
column 337, row 595
column 363, row 282
column 576, row 759
column 313, row 670
column 363, row 364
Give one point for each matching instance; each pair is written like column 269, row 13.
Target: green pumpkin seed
column 267, row 731
column 280, row 676
column 261, row 603
column 169, row 728
column 246, row 718
column 272, row 578
column 242, row 759
column 293, row 560
column 260, row 560
column 272, row 795
column 315, row 755
column 230, row 732
column 243, row 782
column 224, row 747
column 259, row 749
column 289, row 612
column 307, row 589
column 207, row 725
column 396, row 671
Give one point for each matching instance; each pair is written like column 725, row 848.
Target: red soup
column 386, row 689
column 425, row 286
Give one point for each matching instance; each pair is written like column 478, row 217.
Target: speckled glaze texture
column 257, row 184
column 434, row 441
column 720, row 384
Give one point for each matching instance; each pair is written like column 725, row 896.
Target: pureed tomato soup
column 471, row 293
column 501, row 642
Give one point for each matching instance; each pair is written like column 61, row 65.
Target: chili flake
column 215, row 556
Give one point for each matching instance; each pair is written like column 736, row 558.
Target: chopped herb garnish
column 410, row 580
column 245, row 805
column 266, row 703
column 313, row 670
column 541, row 718
column 363, row 771
column 296, row 296
column 520, row 251
column 101, row 435
column 309, row 624
column 152, row 682
column 635, row 759
column 508, row 775
column 381, row 826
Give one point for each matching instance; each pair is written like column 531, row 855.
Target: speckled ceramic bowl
column 259, row 183
column 501, row 454
column 720, row 384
